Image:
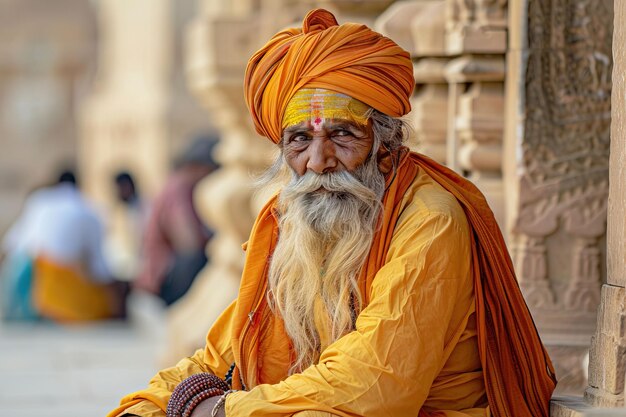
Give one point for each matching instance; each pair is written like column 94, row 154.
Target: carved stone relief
column 560, row 227
column 566, row 142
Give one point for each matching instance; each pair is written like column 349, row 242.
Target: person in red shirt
column 175, row 237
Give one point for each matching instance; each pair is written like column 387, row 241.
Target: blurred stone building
column 139, row 113
column 98, row 86
column 47, row 62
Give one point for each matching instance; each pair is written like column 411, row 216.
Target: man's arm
column 421, row 301
column 215, row 358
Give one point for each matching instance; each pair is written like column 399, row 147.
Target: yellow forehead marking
column 315, row 105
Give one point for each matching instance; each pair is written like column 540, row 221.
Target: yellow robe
column 414, row 346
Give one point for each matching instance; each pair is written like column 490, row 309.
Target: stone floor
column 48, row 370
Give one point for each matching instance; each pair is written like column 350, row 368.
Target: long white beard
column 327, row 223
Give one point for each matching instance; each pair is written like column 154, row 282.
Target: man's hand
column 205, row 408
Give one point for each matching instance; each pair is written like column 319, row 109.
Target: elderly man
column 376, row 282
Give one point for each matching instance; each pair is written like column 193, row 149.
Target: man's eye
column 298, row 138
column 341, row 133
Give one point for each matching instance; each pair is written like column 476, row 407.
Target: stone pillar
column 477, row 32
column 419, row 27
column 479, row 26
column 476, row 122
column 556, row 153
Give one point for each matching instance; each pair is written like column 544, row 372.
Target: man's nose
column 322, row 157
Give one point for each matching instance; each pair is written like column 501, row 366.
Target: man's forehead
column 308, row 125
column 316, row 105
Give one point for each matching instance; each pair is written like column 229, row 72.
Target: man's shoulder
column 426, row 198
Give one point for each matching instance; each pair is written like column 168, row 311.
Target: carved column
column 556, row 153
column 476, row 120
column 419, row 27
column 430, row 108
column 458, row 49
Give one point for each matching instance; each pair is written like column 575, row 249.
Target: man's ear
column 384, row 158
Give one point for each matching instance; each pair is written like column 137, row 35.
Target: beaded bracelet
column 193, row 390
column 197, row 399
column 221, row 402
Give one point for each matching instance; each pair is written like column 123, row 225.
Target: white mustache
column 334, row 182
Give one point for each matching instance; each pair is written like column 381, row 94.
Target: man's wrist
column 221, row 404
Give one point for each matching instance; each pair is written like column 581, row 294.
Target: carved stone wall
column 47, row 50
column 559, row 145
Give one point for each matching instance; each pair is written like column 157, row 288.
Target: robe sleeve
column 215, row 358
column 419, row 306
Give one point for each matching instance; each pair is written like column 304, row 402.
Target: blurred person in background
column 16, row 264
column 126, row 190
column 126, row 226
column 175, row 239
column 63, row 236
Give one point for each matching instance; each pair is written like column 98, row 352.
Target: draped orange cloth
column 519, row 377
column 350, row 58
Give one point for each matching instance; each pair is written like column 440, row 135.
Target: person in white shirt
column 63, row 236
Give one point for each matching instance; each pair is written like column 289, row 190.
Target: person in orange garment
column 376, row 282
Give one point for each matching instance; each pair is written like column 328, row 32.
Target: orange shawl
column 519, row 377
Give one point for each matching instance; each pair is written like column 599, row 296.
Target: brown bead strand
column 198, row 398
column 185, row 392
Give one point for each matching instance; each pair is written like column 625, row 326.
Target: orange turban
column 350, row 58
